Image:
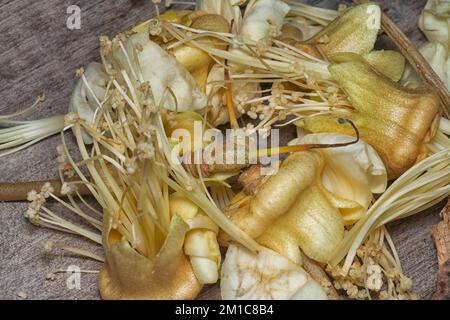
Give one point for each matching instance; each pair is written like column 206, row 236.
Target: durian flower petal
column 265, row 275
column 354, row 172
column 264, row 19
column 87, row 91
column 129, row 275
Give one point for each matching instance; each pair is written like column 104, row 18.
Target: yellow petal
column 292, row 209
column 387, row 62
column 396, row 121
column 354, row 31
column 129, row 275
column 195, row 60
column 353, row 173
column 180, row 205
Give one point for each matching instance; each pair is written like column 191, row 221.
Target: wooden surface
column 38, row 53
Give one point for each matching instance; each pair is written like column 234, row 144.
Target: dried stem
column 18, row 191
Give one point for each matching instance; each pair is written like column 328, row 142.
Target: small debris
column 22, row 295
column 50, row 276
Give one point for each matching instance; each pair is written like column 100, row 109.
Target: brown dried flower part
column 250, row 179
column 215, row 158
column 441, row 236
column 319, row 274
column 396, row 121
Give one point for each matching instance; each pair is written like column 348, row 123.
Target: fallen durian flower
column 292, row 209
column 132, row 174
column 137, row 59
column 355, row 172
column 128, row 275
column 419, row 188
column 263, row 21
column 195, row 60
column 265, row 275
column 396, row 121
column 295, row 209
column 266, row 62
column 228, row 9
column 158, row 246
column 143, row 240
column 352, row 35
column 143, row 244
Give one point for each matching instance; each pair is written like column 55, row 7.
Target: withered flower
column 396, row 121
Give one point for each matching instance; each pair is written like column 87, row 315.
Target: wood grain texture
column 38, row 53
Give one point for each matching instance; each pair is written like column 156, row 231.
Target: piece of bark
column 250, row 179
column 441, row 237
column 319, row 275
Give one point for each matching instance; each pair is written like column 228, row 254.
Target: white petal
column 353, row 172
column 265, row 275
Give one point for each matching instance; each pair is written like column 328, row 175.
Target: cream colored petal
column 83, row 100
column 264, row 19
column 172, row 85
column 353, row 173
column 438, row 57
column 266, row 275
column 435, row 21
column 292, row 209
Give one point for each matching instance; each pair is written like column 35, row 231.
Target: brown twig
column 441, row 237
column 18, row 191
column 416, row 60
